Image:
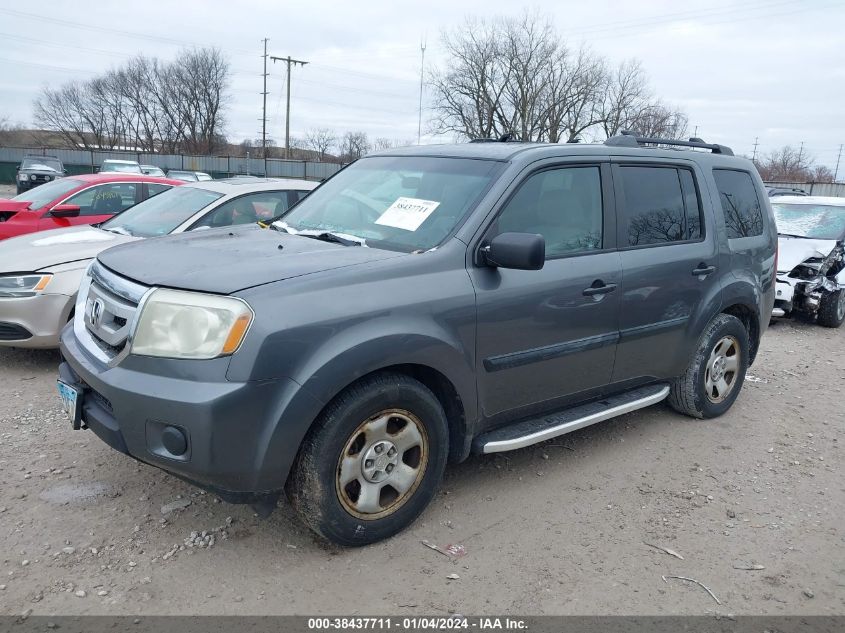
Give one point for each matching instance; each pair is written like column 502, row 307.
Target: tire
column 698, row 392
column 832, row 309
column 342, row 485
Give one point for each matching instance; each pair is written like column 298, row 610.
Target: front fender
column 340, row 361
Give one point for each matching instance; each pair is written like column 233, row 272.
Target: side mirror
column 521, row 251
column 65, row 211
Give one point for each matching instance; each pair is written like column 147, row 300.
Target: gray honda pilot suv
column 423, row 304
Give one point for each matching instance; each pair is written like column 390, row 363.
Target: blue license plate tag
column 71, row 403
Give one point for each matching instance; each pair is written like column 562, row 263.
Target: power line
column 264, row 105
column 422, row 70
column 290, row 62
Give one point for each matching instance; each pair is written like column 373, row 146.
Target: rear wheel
column 832, row 309
column 715, row 374
column 372, row 462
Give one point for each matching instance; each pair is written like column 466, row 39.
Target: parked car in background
column 785, row 191
column 811, row 258
column 188, row 176
column 40, row 273
column 422, row 304
column 36, row 170
column 84, row 199
column 121, row 166
column 152, row 170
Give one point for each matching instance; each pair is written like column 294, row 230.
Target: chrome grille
column 109, row 303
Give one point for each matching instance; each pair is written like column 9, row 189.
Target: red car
column 86, row 199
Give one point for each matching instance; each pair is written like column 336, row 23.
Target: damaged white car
column 811, row 258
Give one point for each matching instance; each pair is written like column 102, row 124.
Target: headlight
column 23, row 177
column 23, row 285
column 178, row 324
column 32, row 176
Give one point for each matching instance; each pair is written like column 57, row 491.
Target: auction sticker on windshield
column 407, row 213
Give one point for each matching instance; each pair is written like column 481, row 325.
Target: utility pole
column 264, row 107
column 422, row 72
column 836, row 171
column 800, row 154
column 754, row 155
column 289, row 62
column 695, row 132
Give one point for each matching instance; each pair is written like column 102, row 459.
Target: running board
column 533, row 430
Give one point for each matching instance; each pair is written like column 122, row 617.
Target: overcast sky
column 772, row 69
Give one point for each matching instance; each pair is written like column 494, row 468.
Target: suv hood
column 36, row 251
column 223, row 261
column 796, row 250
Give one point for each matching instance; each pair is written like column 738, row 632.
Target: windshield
column 42, row 163
column 123, row 168
column 399, row 203
column 47, row 192
column 819, row 221
column 161, row 214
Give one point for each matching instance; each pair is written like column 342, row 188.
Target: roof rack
column 630, row 139
column 504, row 138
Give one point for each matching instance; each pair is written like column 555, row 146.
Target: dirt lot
column 7, row 191
column 753, row 502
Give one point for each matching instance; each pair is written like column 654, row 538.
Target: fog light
column 174, row 440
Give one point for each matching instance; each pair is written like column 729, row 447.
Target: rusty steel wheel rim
column 722, row 371
column 382, row 464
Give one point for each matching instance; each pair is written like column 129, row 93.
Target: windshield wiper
column 792, row 235
column 118, row 230
column 334, row 238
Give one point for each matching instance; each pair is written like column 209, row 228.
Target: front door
column 545, row 335
column 96, row 204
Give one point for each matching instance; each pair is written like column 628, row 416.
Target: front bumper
column 34, row 322
column 232, row 430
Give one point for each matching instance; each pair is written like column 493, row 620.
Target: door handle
column 703, row 269
column 595, row 289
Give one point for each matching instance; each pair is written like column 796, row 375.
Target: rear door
column 545, row 335
column 669, row 255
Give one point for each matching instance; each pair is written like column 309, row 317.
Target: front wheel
column 832, row 309
column 372, row 462
column 715, row 374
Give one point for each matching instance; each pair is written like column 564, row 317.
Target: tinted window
column 659, row 205
column 563, row 205
column 154, row 188
column 743, row 212
column 253, row 207
column 161, row 214
column 105, row 199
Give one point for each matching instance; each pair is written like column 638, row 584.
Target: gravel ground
column 7, row 191
column 753, row 502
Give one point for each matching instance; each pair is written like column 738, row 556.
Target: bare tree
column 820, row 173
column 625, row 96
column 786, row 164
column 320, row 140
column 353, row 146
column 518, row 76
column 657, row 120
column 144, row 105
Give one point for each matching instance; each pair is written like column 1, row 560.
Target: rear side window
column 659, row 205
column 742, row 208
